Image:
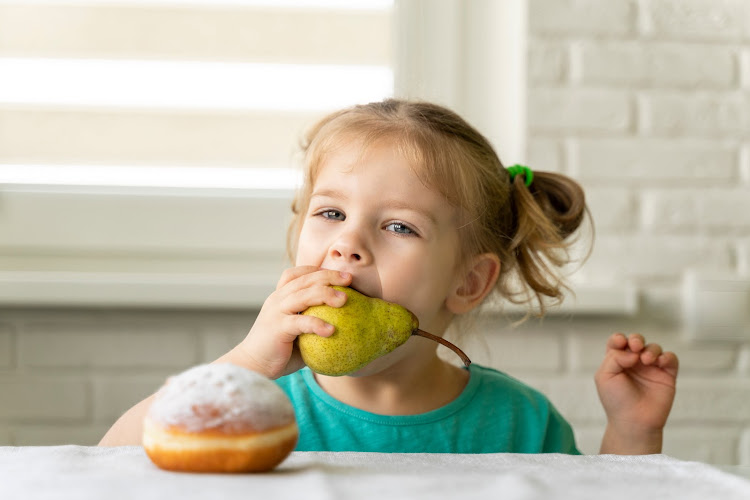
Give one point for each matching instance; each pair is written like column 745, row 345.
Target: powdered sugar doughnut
column 219, row 418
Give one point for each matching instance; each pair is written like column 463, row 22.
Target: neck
column 415, row 384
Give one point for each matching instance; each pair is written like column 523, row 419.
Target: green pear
column 366, row 328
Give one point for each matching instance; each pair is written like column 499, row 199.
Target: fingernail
column 344, row 274
column 339, row 293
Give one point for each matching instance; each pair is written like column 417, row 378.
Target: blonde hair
column 526, row 227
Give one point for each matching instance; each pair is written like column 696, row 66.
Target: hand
column 269, row 347
column 636, row 385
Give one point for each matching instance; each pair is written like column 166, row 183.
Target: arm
column 269, row 346
column 636, row 385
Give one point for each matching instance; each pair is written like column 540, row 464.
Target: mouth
column 358, row 285
column 358, row 288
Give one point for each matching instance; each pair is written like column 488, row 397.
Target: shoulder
column 508, row 395
column 495, row 381
column 538, row 425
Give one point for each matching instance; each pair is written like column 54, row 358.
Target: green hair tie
column 521, row 169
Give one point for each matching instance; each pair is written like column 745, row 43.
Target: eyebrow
column 395, row 204
column 329, row 193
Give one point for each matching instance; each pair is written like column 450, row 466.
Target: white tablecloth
column 78, row 472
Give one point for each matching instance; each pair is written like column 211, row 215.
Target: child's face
column 372, row 217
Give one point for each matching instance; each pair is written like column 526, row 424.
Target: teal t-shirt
column 495, row 413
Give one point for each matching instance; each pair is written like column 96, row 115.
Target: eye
column 333, row 215
column 400, row 228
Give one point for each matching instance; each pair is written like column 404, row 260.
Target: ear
column 474, row 283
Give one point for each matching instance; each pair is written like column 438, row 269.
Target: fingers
column 293, row 273
column 617, row 361
column 312, row 296
column 296, row 278
column 648, row 353
column 298, row 324
column 302, row 287
column 617, row 341
column 669, row 362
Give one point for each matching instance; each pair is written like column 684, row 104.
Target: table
column 79, row 472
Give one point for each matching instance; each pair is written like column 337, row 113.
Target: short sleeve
column 559, row 437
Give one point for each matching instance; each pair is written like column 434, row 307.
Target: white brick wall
column 715, row 20
column 66, row 375
column 646, row 103
column 7, row 338
column 649, row 103
column 710, row 210
column 642, row 161
column 582, row 17
column 590, row 110
column 699, row 114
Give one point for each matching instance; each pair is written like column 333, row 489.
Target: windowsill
column 169, row 248
column 59, row 289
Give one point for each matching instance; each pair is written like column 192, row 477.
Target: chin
column 373, row 368
column 385, row 363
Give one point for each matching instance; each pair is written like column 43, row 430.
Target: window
column 146, row 146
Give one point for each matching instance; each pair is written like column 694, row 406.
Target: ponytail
column 545, row 214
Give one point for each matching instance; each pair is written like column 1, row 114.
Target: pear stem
column 447, row 344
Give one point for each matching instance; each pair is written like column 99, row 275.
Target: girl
column 407, row 202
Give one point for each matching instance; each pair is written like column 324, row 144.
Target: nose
column 350, row 248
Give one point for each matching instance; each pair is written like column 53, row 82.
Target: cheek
column 424, row 282
column 307, row 248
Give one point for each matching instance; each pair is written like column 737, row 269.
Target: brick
column 613, row 209
column 215, row 342
column 743, row 256
column 708, row 359
column 661, row 302
column 6, row 436
column 628, row 64
column 7, row 342
column 658, row 256
column 588, row 437
column 39, row 397
column 55, row 435
column 90, row 345
column 744, row 454
column 691, row 210
column 707, row 445
column 645, row 161
column 586, row 351
column 114, row 396
column 701, row 114
column 592, row 110
column 545, row 154
column 582, row 17
column 547, row 62
column 743, row 361
column 512, row 350
column 696, row 19
column 714, row 401
column 575, row 398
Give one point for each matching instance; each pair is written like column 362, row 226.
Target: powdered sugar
column 222, row 397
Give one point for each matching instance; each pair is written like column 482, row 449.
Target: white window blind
column 89, row 85
column 147, row 147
